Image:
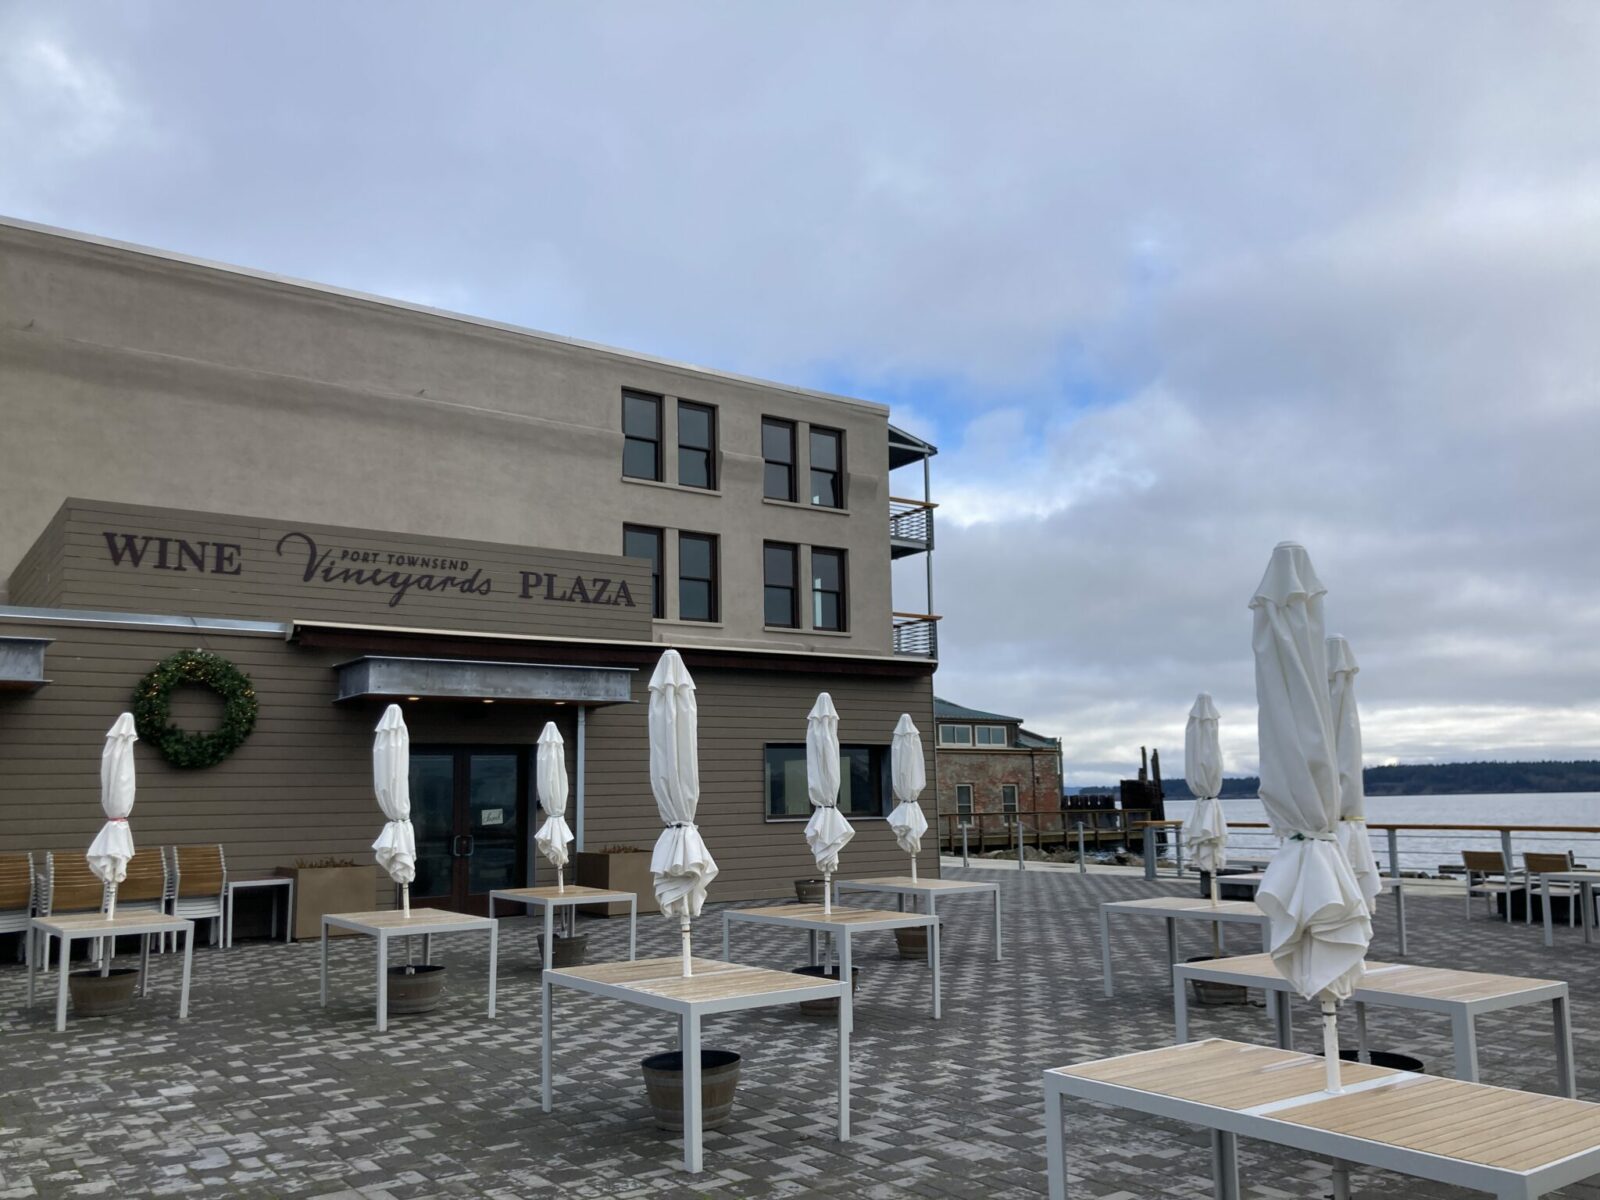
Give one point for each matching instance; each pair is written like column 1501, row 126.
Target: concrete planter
column 913, row 942
column 616, row 871
column 97, row 995
column 566, row 952
column 810, row 891
column 321, row 890
column 415, row 988
column 830, row 1007
column 663, row 1084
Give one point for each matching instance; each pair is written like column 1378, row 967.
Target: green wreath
column 152, row 705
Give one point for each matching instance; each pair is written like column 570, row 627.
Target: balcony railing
column 910, row 526
column 916, row 634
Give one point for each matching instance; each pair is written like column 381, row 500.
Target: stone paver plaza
column 263, row 1093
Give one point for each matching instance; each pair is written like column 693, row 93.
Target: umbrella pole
column 683, row 931
column 1330, row 1044
column 827, row 892
column 405, row 898
column 913, row 868
column 111, row 906
column 1213, row 889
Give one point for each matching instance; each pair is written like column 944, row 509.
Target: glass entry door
column 467, row 809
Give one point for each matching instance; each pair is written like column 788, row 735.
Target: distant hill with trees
column 1445, row 779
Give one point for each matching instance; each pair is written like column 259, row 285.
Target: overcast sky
column 1166, row 282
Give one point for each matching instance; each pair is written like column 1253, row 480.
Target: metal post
column 963, row 843
column 1083, row 867
column 577, row 796
column 1016, row 828
column 1394, row 853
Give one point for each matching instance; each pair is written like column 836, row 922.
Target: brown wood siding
column 36, row 581
column 271, row 584
column 301, row 788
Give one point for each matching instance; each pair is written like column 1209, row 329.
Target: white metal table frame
column 1179, row 910
column 1391, row 883
column 1586, row 881
column 73, row 927
column 1227, row 1125
column 689, row 1014
column 1463, row 1014
column 929, row 891
column 275, row 882
column 819, row 924
column 549, row 899
column 432, row 921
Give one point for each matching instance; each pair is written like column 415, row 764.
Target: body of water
column 1425, row 850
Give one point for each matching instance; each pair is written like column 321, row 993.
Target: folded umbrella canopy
column 681, row 863
column 1353, row 839
column 113, row 846
column 396, row 847
column 1320, row 925
column 827, row 832
column 908, row 772
column 1205, row 833
column 550, row 772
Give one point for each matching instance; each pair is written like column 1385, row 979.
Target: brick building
column 990, row 767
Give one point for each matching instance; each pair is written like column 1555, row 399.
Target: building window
column 640, row 541
column 827, row 467
column 992, row 735
column 697, row 445
column 864, row 784
column 777, row 449
column 827, row 590
column 697, row 576
column 964, row 803
column 1008, row 797
column 780, row 569
column 955, row 735
column 641, row 436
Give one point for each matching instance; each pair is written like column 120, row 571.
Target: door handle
column 455, row 846
column 472, row 844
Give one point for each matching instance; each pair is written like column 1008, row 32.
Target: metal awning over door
column 22, row 664
column 385, row 677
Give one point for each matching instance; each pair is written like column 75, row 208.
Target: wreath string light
column 152, row 708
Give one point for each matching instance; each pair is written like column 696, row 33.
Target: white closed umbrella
column 908, row 772
column 827, row 832
column 1205, row 833
column 113, row 846
column 1320, row 926
column 1353, row 839
column 550, row 772
column 396, row 847
column 681, row 863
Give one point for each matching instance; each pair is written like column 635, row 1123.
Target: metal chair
column 1490, row 875
column 199, row 885
column 17, row 894
column 1536, row 865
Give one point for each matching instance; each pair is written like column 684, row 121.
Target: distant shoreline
column 1438, row 779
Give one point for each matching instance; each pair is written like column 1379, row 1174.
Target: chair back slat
column 16, row 882
column 73, row 886
column 1545, row 863
column 147, row 876
column 202, row 870
column 1484, row 862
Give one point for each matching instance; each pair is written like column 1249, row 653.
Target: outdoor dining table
column 1511, row 1145
column 1586, row 882
column 392, row 923
column 714, row 987
column 928, row 892
column 1463, row 996
column 1391, row 883
column 76, row 927
column 550, row 899
column 273, row 884
column 1175, row 909
column 841, row 924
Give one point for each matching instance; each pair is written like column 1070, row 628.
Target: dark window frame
column 842, row 593
column 964, row 816
column 835, row 473
column 793, row 587
column 878, row 770
column 791, row 429
column 1015, row 804
column 658, row 602
column 713, row 582
column 709, row 450
column 979, row 732
column 632, row 439
column 943, row 741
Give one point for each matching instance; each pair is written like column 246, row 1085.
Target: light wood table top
column 712, row 979
column 840, row 917
column 919, row 884
column 573, row 893
column 98, row 922
column 1399, row 979
column 420, row 920
column 1188, row 904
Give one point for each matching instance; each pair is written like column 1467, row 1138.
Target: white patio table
column 1391, row 883
column 1586, row 882
column 715, row 987
column 75, row 927
column 841, row 924
column 1174, row 909
column 1508, row 1144
column 928, row 892
column 1463, row 996
column 550, row 899
column 392, row 923
column 273, row 883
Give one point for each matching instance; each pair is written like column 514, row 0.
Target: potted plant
column 616, row 869
column 663, row 1084
column 329, row 885
column 415, row 987
column 97, row 995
